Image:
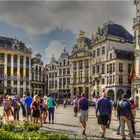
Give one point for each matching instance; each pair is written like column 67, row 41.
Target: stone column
column 29, row 74
column 18, row 74
column 5, row 74
column 12, row 73
column 24, row 74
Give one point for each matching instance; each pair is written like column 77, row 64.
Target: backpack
column 84, row 104
column 125, row 108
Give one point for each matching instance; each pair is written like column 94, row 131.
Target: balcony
column 136, row 21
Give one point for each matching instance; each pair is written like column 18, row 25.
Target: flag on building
column 132, row 73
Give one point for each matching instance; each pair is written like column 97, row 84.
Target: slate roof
column 113, row 29
column 122, row 54
column 7, row 42
column 120, row 31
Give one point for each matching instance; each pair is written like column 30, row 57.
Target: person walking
column 133, row 106
column 125, row 115
column 83, row 106
column 65, row 103
column 22, row 101
column 7, row 107
column 75, row 105
column 16, row 108
column 51, row 103
column 118, row 120
column 35, row 106
column 28, row 102
column 103, row 112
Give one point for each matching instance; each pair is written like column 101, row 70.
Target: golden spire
column 81, row 34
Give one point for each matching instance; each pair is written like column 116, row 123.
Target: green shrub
column 5, row 135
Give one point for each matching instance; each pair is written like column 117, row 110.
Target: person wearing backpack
column 125, row 115
column 83, row 106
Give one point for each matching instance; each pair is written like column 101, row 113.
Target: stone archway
column 120, row 93
column 110, row 94
column 137, row 101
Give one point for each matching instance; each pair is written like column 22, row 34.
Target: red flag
column 132, row 73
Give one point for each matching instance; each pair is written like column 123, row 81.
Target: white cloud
column 45, row 16
column 55, row 48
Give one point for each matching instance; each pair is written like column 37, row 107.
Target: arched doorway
column 137, row 101
column 110, row 94
column 119, row 93
column 128, row 93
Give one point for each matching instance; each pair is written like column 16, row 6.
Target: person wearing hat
column 125, row 116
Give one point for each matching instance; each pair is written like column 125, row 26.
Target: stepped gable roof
column 114, row 29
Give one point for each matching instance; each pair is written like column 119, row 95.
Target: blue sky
column 47, row 27
column 39, row 42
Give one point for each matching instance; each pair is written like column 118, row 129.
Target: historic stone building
column 112, row 57
column 38, row 83
column 64, row 75
column 136, row 80
column 80, row 66
column 15, row 67
column 53, row 77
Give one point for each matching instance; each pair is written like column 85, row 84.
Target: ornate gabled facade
column 80, row 66
column 53, row 77
column 38, row 84
column 112, row 56
column 136, row 80
column 15, row 67
column 64, row 75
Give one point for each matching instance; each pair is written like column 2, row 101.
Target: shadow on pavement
column 59, row 130
column 67, row 125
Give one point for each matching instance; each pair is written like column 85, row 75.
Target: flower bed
column 17, row 130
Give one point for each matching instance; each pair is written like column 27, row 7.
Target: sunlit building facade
column 112, row 58
column 15, row 67
column 64, row 75
column 80, row 66
column 38, row 74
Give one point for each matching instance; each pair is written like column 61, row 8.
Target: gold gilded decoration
column 81, row 34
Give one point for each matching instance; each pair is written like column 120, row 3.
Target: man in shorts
column 83, row 105
column 103, row 112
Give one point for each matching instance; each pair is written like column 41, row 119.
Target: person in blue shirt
column 103, row 112
column 51, row 103
column 28, row 102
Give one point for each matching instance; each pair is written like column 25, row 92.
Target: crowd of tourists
column 35, row 109
column 124, row 109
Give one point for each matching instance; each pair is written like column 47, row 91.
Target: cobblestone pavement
column 68, row 124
